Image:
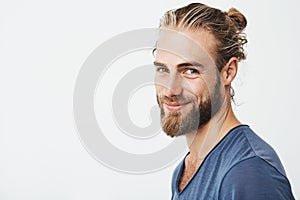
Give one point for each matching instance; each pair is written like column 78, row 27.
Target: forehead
column 186, row 45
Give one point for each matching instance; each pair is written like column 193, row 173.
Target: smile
column 174, row 106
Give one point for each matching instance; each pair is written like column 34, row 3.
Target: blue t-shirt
column 240, row 167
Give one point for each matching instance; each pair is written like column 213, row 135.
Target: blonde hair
column 227, row 28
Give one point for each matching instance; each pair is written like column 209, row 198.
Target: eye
column 162, row 69
column 191, row 71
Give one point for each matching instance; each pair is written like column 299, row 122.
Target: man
column 196, row 60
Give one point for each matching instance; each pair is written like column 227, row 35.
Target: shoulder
column 263, row 150
column 254, row 178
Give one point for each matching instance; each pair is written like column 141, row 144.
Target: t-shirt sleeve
column 254, row 179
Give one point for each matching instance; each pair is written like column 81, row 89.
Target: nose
column 173, row 85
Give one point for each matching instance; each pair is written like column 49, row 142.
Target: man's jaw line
column 201, row 142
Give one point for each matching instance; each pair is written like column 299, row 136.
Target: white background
column 42, row 47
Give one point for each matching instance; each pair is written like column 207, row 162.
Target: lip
column 173, row 106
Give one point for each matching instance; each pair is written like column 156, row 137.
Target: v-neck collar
column 206, row 157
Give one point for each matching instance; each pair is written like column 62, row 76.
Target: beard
column 189, row 120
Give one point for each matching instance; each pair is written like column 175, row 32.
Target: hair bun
column 238, row 18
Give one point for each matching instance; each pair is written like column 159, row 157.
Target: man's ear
column 229, row 71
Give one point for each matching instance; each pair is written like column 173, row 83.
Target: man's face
column 187, row 86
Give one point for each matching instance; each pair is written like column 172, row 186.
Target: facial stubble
column 189, row 120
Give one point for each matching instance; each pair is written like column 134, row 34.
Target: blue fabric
column 241, row 167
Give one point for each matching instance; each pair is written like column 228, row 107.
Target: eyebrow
column 186, row 64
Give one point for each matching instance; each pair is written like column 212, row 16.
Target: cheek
column 159, row 89
column 159, row 83
column 199, row 89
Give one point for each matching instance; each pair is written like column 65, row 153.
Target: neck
column 207, row 137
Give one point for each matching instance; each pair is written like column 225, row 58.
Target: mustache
column 173, row 99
